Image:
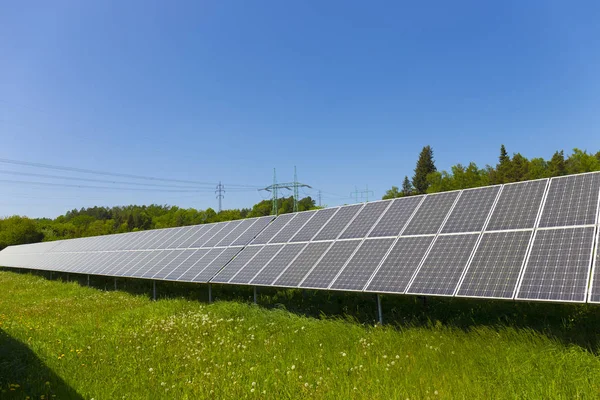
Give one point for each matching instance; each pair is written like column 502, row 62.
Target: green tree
column 557, row 165
column 503, row 168
column 391, row 193
column 425, row 166
column 581, row 161
column 407, row 187
column 19, row 230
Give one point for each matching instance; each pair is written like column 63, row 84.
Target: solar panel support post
column 50, row 275
column 67, row 277
column 154, row 290
column 115, row 283
column 379, row 310
column 209, row 293
column 88, row 280
column 255, row 295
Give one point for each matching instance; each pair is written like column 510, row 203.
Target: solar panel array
column 530, row 240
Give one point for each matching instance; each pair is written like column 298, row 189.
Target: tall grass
column 68, row 341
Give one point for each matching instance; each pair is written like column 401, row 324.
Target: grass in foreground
column 61, row 340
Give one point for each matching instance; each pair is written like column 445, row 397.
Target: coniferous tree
column 503, row 168
column 557, row 165
column 406, row 187
column 425, row 166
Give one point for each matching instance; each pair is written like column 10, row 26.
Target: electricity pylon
column 293, row 186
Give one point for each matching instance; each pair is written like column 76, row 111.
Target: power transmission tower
column 219, row 192
column 363, row 193
column 294, row 186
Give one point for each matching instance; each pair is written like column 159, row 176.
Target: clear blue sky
column 226, row 90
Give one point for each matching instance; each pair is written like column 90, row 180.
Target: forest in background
column 95, row 221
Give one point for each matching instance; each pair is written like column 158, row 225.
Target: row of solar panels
column 530, row 240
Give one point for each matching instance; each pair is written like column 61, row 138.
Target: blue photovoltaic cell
column 396, row 216
column 443, row 266
column 185, row 265
column 275, row 226
column 571, row 200
column 364, row 221
column 336, row 225
column 558, row 266
column 363, row 263
column 278, row 264
column 517, row 206
column 311, row 228
column 431, row 214
column 253, row 266
column 298, row 269
column 236, row 232
column 217, row 264
column 236, row 264
column 331, row 263
column 496, row 265
column 400, row 265
column 218, row 236
column 293, row 227
column 253, row 231
column 471, row 210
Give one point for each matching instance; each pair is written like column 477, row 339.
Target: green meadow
column 64, row 340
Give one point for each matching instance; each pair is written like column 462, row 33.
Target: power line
column 97, row 180
column 95, row 172
column 274, row 188
column 98, row 187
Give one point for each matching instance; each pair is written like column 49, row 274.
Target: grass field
column 67, row 341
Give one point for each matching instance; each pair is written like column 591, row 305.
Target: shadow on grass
column 23, row 374
column 571, row 324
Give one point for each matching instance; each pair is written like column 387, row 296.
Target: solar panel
column 366, row 218
column 293, row 274
column 338, row 222
column 218, row 236
column 215, row 255
column 442, row 268
column 185, row 265
column 245, row 275
column 310, row 229
column 166, row 257
column 132, row 239
column 278, row 264
column 396, row 216
column 431, row 214
column 275, row 226
column 518, row 205
column 217, row 264
column 400, row 265
column 178, row 257
column 471, row 210
column 122, row 262
column 152, row 266
column 198, row 233
column 496, row 265
column 363, row 263
column 178, row 237
column 558, row 265
column 253, row 231
column 140, row 260
column 571, row 200
column 242, row 227
column 236, row 264
column 332, row 262
column 292, row 227
column 151, row 242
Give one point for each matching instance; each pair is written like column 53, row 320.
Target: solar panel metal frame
column 308, row 243
column 374, row 224
column 288, row 217
column 336, row 209
column 333, row 243
column 360, row 207
column 290, row 223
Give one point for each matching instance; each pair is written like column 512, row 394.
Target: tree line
column 427, row 179
column 96, row 221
